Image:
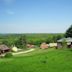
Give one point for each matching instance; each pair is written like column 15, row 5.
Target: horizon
column 26, row 33
column 35, row 16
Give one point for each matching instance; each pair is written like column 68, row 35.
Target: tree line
column 21, row 40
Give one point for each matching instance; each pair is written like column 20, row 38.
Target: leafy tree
column 54, row 38
column 21, row 42
column 6, row 42
column 69, row 32
column 59, row 36
column 49, row 39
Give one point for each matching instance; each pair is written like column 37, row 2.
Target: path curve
column 23, row 52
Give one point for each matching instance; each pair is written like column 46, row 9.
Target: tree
column 69, row 32
column 49, row 39
column 21, row 42
column 54, row 38
column 6, row 42
column 60, row 36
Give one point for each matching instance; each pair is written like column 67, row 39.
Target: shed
column 52, row 44
column 67, row 40
column 30, row 46
column 4, row 49
column 14, row 49
column 44, row 46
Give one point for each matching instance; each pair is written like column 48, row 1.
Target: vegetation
column 69, row 32
column 20, row 40
column 64, row 44
column 40, row 60
column 49, row 60
column 8, row 55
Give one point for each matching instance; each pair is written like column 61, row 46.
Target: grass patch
column 48, row 60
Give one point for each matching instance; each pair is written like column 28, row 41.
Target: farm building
column 67, row 40
column 4, row 49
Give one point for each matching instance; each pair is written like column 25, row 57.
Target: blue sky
column 35, row 16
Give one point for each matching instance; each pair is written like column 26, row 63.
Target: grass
column 49, row 60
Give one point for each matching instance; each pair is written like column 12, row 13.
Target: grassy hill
column 49, row 60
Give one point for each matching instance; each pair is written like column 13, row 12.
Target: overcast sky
column 35, row 16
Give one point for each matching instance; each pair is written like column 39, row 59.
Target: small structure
column 4, row 49
column 52, row 44
column 30, row 46
column 44, row 46
column 14, row 49
column 67, row 40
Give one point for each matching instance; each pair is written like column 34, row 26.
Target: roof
column 3, row 47
column 65, row 39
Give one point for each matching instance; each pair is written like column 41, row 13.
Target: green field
column 49, row 60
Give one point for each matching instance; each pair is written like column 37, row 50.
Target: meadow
column 40, row 60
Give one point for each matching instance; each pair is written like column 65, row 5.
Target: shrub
column 64, row 44
column 8, row 55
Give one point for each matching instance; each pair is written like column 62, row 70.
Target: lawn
column 49, row 60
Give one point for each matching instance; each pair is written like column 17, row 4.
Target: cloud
column 10, row 12
column 8, row 1
column 9, row 5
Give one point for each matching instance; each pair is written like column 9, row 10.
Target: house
column 4, row 49
column 67, row 40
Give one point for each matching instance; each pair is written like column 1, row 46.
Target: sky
column 35, row 16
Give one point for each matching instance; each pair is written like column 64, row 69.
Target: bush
column 8, row 55
column 64, row 44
